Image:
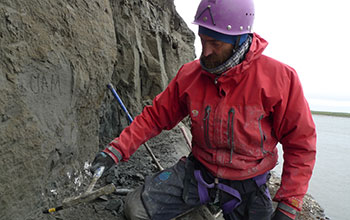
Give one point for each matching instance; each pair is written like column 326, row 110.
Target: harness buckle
column 217, row 193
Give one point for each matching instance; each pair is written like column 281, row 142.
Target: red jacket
column 237, row 120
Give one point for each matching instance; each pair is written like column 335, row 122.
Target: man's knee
column 134, row 208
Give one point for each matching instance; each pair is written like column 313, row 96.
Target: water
column 330, row 183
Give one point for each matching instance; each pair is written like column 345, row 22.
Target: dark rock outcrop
column 56, row 58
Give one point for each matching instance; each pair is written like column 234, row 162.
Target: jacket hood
column 255, row 51
column 256, row 48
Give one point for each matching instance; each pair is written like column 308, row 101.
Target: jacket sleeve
column 295, row 130
column 166, row 111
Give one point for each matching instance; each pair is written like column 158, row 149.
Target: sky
column 310, row 36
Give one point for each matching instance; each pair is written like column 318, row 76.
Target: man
column 241, row 104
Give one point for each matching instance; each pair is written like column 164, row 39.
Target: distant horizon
column 329, row 105
column 322, row 112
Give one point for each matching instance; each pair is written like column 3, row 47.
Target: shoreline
column 311, row 208
column 335, row 114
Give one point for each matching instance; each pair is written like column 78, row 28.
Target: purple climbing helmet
column 231, row 17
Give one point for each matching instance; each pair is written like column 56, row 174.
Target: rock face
column 56, row 58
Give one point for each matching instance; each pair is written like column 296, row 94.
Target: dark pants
column 163, row 195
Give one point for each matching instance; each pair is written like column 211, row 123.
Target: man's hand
column 101, row 159
column 280, row 215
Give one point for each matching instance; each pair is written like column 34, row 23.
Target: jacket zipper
column 216, row 79
column 262, row 135
column 230, row 131
column 206, row 126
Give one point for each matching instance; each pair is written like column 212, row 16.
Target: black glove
column 102, row 159
column 278, row 215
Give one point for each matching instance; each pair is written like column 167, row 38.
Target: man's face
column 214, row 52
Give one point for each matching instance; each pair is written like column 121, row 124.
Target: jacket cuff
column 287, row 210
column 114, row 153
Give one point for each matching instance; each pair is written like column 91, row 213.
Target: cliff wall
column 56, row 58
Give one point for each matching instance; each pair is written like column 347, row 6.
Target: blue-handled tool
column 115, row 94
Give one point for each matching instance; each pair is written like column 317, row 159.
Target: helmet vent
column 206, row 18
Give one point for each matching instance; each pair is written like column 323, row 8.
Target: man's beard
column 212, row 61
